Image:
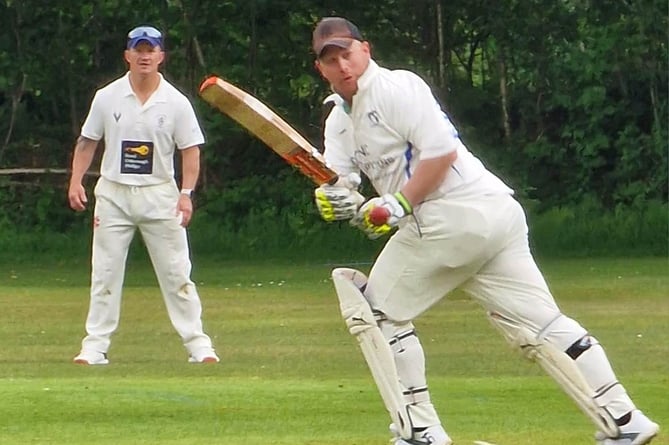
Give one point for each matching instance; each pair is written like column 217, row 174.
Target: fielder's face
column 144, row 58
column 342, row 67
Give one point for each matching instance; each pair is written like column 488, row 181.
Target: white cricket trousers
column 478, row 245
column 119, row 211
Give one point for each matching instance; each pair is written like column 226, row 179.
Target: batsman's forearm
column 190, row 164
column 427, row 177
column 84, row 152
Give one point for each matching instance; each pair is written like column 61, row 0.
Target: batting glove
column 378, row 216
column 337, row 203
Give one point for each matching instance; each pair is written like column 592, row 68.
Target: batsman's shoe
column 434, row 435
column 640, row 430
column 204, row 356
column 91, row 358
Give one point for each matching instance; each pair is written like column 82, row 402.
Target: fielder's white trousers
column 119, row 211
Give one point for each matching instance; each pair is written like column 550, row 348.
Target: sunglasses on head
column 145, row 31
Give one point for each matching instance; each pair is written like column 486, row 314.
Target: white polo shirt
column 393, row 123
column 140, row 139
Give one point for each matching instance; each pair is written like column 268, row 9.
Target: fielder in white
column 142, row 119
column 459, row 227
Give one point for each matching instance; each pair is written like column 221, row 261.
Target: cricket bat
column 269, row 127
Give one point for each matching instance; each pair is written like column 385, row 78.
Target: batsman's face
column 342, row 67
column 144, row 58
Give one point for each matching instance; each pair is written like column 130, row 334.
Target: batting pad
column 361, row 323
column 560, row 367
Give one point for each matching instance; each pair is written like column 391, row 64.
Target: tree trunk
column 16, row 100
column 504, row 95
column 657, row 124
column 441, row 51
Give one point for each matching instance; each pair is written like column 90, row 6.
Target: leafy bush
column 274, row 218
column 271, row 217
column 588, row 229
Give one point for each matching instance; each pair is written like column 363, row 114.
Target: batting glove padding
column 337, row 203
column 395, row 207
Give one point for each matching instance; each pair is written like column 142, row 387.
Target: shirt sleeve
column 93, row 127
column 187, row 132
column 338, row 142
column 426, row 126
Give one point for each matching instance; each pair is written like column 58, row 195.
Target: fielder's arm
column 190, row 167
column 84, row 152
column 190, row 171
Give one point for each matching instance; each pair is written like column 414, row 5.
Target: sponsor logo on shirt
column 137, row 157
column 373, row 168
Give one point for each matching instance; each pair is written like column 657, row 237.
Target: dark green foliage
column 567, row 101
column 37, row 205
column 272, row 216
column 588, row 229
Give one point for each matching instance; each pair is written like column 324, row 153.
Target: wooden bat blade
column 267, row 126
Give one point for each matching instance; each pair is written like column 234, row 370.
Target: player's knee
column 357, row 278
column 580, row 346
column 567, row 335
column 103, row 277
column 355, row 308
column 563, row 333
column 400, row 336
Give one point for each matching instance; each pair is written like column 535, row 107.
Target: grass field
column 290, row 372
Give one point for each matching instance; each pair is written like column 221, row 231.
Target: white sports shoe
column 204, row 356
column 91, row 358
column 640, row 430
column 434, row 435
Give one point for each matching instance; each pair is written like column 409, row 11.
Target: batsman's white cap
column 335, row 31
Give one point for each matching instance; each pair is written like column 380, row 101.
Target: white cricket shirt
column 140, row 139
column 393, row 123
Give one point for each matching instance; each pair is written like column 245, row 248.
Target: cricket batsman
column 459, row 226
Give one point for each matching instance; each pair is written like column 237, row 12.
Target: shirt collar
column 157, row 96
column 366, row 79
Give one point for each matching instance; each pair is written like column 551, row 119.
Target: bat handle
column 351, row 181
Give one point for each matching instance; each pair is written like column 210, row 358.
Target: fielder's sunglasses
column 145, row 31
column 148, row 33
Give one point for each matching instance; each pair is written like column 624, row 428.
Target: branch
column 40, row 171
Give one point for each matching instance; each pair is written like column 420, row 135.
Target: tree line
column 566, row 100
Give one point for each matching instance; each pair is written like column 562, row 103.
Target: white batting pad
column 361, row 323
column 560, row 367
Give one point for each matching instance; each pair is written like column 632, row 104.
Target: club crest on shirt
column 374, row 118
column 160, row 120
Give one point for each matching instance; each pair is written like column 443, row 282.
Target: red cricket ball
column 379, row 215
